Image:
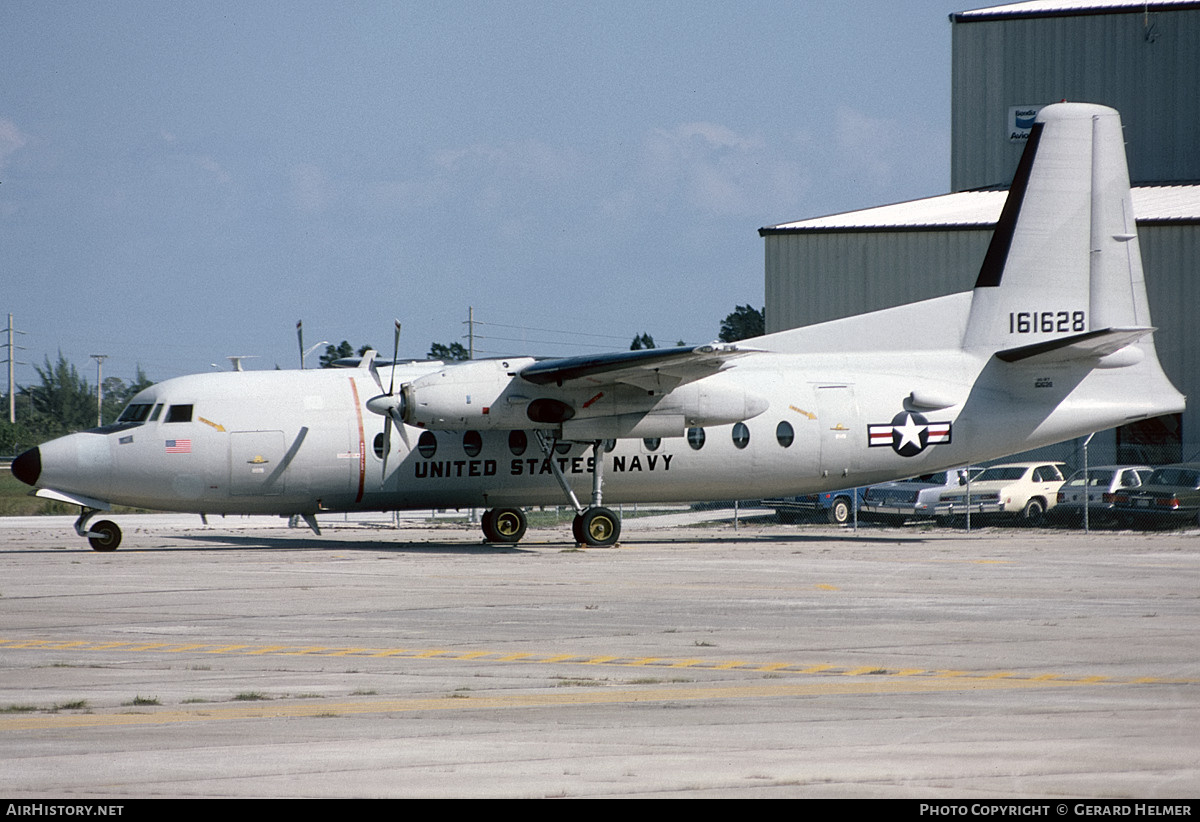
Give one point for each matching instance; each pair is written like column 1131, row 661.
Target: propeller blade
column 395, row 355
column 389, row 421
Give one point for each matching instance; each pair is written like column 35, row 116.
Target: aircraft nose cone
column 28, row 466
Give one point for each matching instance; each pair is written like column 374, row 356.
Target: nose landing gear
column 104, row 535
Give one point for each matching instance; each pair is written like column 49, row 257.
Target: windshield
column 136, row 412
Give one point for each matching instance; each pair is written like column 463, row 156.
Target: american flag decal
column 179, row 446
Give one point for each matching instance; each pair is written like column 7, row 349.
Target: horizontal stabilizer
column 1085, row 346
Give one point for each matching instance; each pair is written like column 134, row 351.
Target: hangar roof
column 1062, row 8
column 1153, row 205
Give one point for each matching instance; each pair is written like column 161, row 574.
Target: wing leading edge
column 639, row 368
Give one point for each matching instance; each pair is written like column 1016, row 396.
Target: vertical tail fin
column 1064, row 260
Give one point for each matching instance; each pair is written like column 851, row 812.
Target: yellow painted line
column 540, row 699
column 873, row 671
column 178, row 649
column 861, row 670
column 775, row 666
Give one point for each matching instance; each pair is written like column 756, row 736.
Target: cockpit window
column 154, row 414
column 179, row 413
column 135, row 412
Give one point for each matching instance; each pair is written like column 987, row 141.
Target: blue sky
column 184, row 181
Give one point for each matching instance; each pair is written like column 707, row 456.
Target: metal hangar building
column 1141, row 58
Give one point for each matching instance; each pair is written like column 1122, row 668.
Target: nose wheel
column 104, row 535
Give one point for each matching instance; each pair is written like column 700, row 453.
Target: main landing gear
column 594, row 525
column 104, row 535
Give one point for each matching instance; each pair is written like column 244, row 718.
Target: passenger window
column 741, row 435
column 651, row 443
column 427, row 444
column 785, row 434
column 472, row 443
column 179, row 413
column 518, row 441
column 695, row 438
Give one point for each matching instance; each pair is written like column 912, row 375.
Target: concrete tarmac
column 691, row 661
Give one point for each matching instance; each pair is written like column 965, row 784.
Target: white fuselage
column 292, row 442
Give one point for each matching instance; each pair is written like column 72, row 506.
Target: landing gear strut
column 594, row 525
column 105, row 535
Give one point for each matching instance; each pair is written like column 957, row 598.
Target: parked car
column 838, row 506
column 1023, row 489
column 913, row 497
column 1169, row 495
column 1100, row 487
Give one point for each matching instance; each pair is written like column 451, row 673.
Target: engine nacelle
column 475, row 395
column 490, row 395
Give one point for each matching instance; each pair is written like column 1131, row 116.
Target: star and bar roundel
column 908, row 434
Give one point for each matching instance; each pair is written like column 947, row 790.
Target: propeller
column 388, row 405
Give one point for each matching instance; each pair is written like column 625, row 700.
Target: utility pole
column 99, row 358
column 12, row 363
column 471, row 332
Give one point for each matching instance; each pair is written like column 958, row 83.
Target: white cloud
column 713, row 169
column 12, row 140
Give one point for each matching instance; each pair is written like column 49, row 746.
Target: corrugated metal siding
column 1152, row 76
column 819, row 276
column 816, row 276
column 1171, row 259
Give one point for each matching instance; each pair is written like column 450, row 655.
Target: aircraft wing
column 649, row 368
column 1088, row 345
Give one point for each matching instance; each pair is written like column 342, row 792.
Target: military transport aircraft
column 1054, row 342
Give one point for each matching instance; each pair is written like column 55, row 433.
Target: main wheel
column 509, row 525
column 597, row 526
column 839, row 512
column 107, row 536
column 506, row 525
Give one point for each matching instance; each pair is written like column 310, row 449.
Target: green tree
column 448, row 353
column 118, row 393
column 344, row 349
column 641, row 341
column 63, row 402
column 745, row 322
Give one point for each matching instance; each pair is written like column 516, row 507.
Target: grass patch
column 142, row 700
column 250, row 696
